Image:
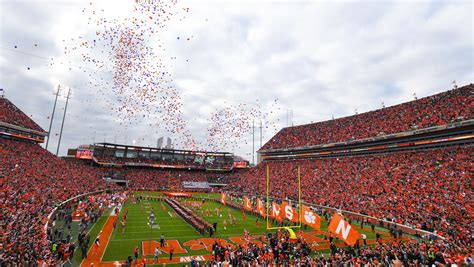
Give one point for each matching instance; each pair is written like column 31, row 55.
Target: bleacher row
column 447, row 107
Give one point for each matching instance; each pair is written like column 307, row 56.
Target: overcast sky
column 317, row 58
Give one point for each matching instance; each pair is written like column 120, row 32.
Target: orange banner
column 276, row 212
column 247, row 204
column 223, row 199
column 343, row 230
column 261, row 208
column 289, row 212
column 310, row 218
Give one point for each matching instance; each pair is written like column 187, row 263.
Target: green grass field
column 173, row 227
column 122, row 244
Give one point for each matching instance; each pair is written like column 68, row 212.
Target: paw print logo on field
column 205, row 243
column 309, row 217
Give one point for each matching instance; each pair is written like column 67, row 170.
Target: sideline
column 94, row 256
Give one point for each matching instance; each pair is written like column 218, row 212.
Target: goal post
column 267, row 174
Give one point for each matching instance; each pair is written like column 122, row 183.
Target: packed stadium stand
column 429, row 188
column 10, row 114
column 33, row 182
column 447, row 107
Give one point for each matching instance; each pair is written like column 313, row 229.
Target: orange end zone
column 148, row 247
column 96, row 252
column 206, row 243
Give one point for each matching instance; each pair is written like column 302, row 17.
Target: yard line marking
column 191, row 237
column 138, row 225
column 170, row 214
column 184, row 237
column 148, row 232
column 133, row 217
column 187, row 226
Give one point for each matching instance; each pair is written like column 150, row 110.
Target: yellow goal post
column 268, row 200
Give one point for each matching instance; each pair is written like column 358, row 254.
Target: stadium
column 120, row 200
column 185, row 89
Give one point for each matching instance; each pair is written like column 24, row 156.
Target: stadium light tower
column 52, row 115
column 62, row 124
column 253, row 142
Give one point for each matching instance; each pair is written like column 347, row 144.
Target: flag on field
column 276, row 211
column 310, row 218
column 223, row 201
column 343, row 230
column 289, row 213
column 247, row 204
column 261, row 208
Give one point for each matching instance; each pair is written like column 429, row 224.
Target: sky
column 227, row 64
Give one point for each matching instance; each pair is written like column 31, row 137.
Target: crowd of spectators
column 155, row 162
column 279, row 250
column 430, row 190
column 33, row 181
column 9, row 113
column 439, row 109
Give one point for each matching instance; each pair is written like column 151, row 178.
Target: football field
column 119, row 243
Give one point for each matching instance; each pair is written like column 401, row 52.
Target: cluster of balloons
column 229, row 126
column 125, row 69
column 124, row 60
